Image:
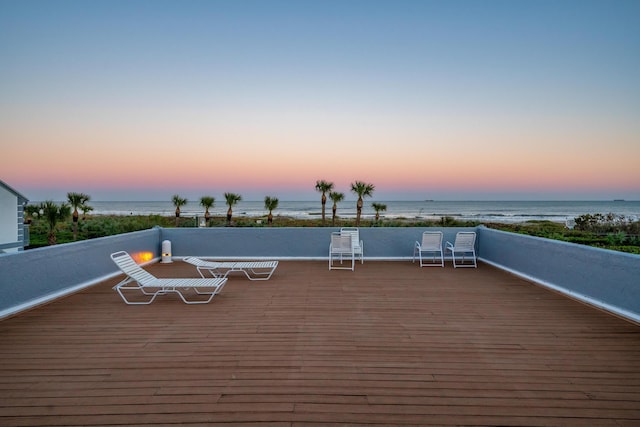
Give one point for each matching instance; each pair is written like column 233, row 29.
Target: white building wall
column 8, row 217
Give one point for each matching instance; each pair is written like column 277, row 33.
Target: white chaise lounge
column 254, row 270
column 141, row 280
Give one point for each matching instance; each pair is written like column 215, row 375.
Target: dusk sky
column 444, row 100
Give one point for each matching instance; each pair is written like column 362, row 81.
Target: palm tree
column 232, row 199
column 77, row 200
column 270, row 203
column 177, row 202
column 53, row 213
column 324, row 187
column 207, row 202
column 362, row 189
column 378, row 207
column 336, row 197
column 85, row 209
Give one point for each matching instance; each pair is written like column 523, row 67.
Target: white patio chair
column 254, row 270
column 358, row 245
column 141, row 280
column 462, row 249
column 431, row 244
column 341, row 247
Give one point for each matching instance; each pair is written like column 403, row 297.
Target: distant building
column 14, row 234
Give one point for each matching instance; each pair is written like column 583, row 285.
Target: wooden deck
column 388, row 344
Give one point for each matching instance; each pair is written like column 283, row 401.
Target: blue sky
column 455, row 99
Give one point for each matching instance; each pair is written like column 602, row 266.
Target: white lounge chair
column 358, row 245
column 431, row 244
column 463, row 248
column 254, row 270
column 141, row 280
column 341, row 247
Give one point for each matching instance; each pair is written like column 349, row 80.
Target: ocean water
column 483, row 211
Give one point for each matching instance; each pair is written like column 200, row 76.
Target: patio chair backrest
column 354, row 233
column 465, row 239
column 432, row 240
column 341, row 243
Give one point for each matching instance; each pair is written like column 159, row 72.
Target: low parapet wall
column 311, row 243
column 604, row 278
column 36, row 276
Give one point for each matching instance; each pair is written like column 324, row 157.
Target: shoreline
column 341, row 220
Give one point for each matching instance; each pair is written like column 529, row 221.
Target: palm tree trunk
column 229, row 214
column 324, row 204
column 75, row 224
column 358, row 211
column 333, row 217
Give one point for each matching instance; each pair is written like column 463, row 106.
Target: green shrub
column 599, row 230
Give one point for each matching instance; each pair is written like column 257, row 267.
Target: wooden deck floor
column 388, row 344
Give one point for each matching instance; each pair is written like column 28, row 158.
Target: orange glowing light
column 142, row 257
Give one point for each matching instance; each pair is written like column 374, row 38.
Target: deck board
column 387, row 344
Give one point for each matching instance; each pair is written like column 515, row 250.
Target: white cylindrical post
column 166, row 252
